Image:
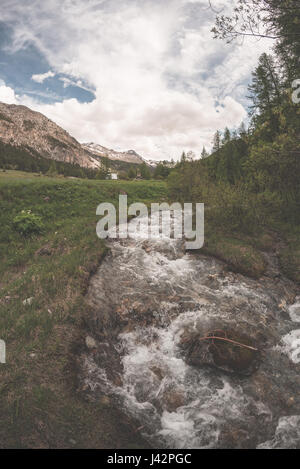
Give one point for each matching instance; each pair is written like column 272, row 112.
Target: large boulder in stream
column 225, row 349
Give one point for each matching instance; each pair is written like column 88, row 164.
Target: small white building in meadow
column 112, row 176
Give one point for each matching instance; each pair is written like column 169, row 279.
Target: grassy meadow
column 51, row 270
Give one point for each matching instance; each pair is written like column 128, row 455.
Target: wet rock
column 212, row 281
column 173, row 400
column 90, row 342
column 235, row 438
column 226, row 350
column 158, row 372
column 105, row 401
column 147, row 247
column 117, row 380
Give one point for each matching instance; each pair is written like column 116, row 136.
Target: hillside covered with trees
column 251, row 181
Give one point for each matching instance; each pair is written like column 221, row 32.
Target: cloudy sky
column 128, row 74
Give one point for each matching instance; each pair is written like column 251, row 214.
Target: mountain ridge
column 130, row 156
column 21, row 126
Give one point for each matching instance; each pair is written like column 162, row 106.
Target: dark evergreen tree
column 204, row 153
column 227, row 136
column 183, row 157
column 242, row 132
column 217, row 141
column 145, row 171
column 265, row 91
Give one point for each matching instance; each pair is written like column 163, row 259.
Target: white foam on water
column 177, row 423
column 291, row 345
column 203, row 406
column 179, row 406
column 244, row 291
column 294, row 310
column 139, row 228
column 287, row 434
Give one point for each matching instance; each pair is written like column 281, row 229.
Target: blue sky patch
column 17, row 69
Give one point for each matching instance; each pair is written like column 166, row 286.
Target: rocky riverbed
column 197, row 356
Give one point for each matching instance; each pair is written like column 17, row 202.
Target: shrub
column 27, row 223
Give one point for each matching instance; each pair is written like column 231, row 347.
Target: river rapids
column 148, row 298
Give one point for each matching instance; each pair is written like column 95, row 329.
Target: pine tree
column 204, row 153
column 234, row 135
column 103, row 170
column 265, row 87
column 52, row 171
column 227, row 136
column 132, row 173
column 217, row 141
column 145, row 171
column 242, row 132
column 190, row 156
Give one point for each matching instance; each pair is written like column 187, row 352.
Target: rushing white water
column 152, row 294
column 294, row 310
column 287, row 434
column 291, row 345
column 291, row 341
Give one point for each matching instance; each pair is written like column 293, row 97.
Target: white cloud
column 162, row 84
column 7, row 94
column 40, row 78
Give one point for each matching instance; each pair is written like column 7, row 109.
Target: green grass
column 38, row 405
column 237, row 252
column 289, row 255
column 245, row 254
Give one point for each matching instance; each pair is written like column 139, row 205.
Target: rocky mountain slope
column 22, row 127
column 129, row 156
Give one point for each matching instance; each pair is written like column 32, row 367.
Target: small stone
column 291, row 401
column 90, row 342
column 282, row 305
column 105, row 401
column 146, row 247
column 28, row 301
column 44, row 251
column 173, row 400
column 73, row 442
column 158, row 372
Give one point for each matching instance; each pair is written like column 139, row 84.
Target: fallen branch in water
column 225, row 339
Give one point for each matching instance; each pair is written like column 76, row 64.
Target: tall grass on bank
column 43, row 279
